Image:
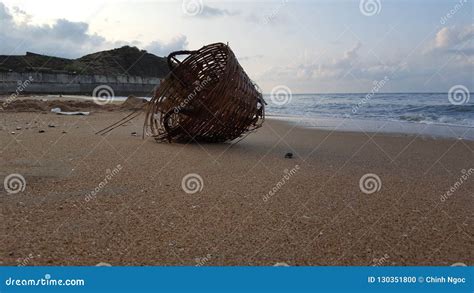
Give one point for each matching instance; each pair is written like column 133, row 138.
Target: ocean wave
column 415, row 108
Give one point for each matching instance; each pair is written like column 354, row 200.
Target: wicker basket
column 206, row 97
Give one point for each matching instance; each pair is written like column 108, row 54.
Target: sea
column 424, row 114
column 437, row 115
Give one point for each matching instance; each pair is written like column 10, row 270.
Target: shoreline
column 389, row 127
column 369, row 126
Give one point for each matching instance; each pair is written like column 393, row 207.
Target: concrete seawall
column 58, row 83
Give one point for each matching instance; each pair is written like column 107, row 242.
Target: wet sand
column 256, row 207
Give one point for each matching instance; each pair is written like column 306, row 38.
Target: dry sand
column 317, row 216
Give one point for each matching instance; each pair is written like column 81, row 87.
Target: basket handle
column 172, row 60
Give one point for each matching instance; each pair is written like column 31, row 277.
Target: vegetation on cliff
column 122, row 61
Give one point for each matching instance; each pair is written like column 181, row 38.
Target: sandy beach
column 119, row 199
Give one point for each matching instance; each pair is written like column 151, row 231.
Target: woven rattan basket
column 206, row 97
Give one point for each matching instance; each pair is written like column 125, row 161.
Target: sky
column 338, row 46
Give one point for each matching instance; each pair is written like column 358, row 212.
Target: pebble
column 51, row 125
column 288, row 155
column 18, row 128
column 281, row 264
column 13, row 132
column 134, row 133
column 41, row 131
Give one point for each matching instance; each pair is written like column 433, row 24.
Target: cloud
column 5, row 15
column 163, row 49
column 63, row 38
column 449, row 37
column 455, row 43
column 20, row 15
column 352, row 53
column 347, row 66
column 337, row 68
